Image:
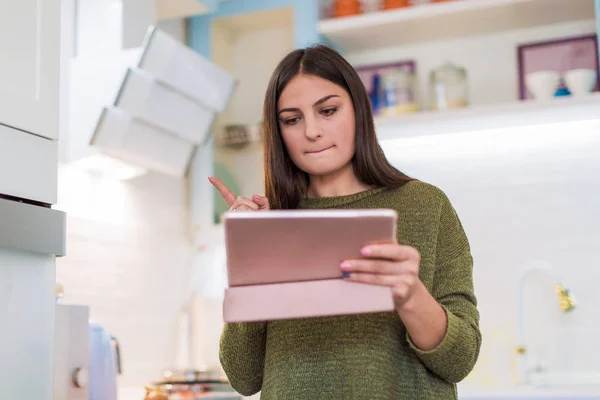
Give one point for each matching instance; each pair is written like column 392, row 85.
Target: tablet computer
column 267, row 247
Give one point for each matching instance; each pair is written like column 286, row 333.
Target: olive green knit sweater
column 370, row 356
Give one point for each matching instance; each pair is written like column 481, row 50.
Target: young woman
column 321, row 151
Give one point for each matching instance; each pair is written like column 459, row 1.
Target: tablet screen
column 300, row 245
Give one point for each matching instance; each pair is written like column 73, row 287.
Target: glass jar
column 399, row 92
column 448, row 87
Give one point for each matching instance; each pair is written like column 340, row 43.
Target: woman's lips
column 319, row 151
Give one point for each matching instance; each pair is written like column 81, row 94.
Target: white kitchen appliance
column 71, row 373
column 105, row 363
column 32, row 234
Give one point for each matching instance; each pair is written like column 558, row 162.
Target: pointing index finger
column 225, row 192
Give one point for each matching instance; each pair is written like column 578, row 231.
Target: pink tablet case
column 304, row 299
column 296, row 274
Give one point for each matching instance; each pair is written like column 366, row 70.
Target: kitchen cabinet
column 30, row 67
column 36, row 160
column 27, row 283
column 31, row 233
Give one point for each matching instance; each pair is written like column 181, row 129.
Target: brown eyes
column 291, row 121
column 326, row 112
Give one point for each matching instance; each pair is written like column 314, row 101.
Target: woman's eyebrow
column 324, row 99
column 320, row 101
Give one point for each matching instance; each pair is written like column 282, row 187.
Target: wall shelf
column 459, row 18
column 516, row 114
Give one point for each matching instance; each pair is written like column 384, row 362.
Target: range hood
column 165, row 106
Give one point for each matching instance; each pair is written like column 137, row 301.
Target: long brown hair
column 286, row 184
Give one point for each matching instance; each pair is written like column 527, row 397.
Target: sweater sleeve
column 454, row 358
column 242, row 355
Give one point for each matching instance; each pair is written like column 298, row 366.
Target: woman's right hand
column 239, row 203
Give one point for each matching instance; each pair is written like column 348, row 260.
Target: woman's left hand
column 392, row 265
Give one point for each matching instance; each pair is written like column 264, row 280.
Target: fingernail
column 366, row 251
column 345, row 265
column 257, row 195
column 346, row 274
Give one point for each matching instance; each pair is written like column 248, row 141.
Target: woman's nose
column 312, row 129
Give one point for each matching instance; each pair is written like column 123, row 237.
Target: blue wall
column 306, row 17
column 597, row 3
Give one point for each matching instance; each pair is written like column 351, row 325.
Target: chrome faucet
column 566, row 303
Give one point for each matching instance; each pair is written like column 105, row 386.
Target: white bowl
column 542, row 84
column 580, row 81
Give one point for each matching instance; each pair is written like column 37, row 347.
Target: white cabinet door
column 28, row 166
column 27, row 282
column 30, row 66
column 30, row 238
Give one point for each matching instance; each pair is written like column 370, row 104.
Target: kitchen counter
column 139, row 393
column 526, row 393
column 131, row 394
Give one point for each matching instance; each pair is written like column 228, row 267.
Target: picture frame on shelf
column 558, row 55
column 406, row 94
column 366, row 72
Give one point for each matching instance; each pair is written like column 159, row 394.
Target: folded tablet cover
column 304, row 299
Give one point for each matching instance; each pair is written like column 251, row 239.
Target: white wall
column 99, row 26
column 524, row 196
column 106, row 26
column 138, row 15
column 490, row 60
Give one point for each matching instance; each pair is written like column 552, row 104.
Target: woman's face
column 316, row 120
